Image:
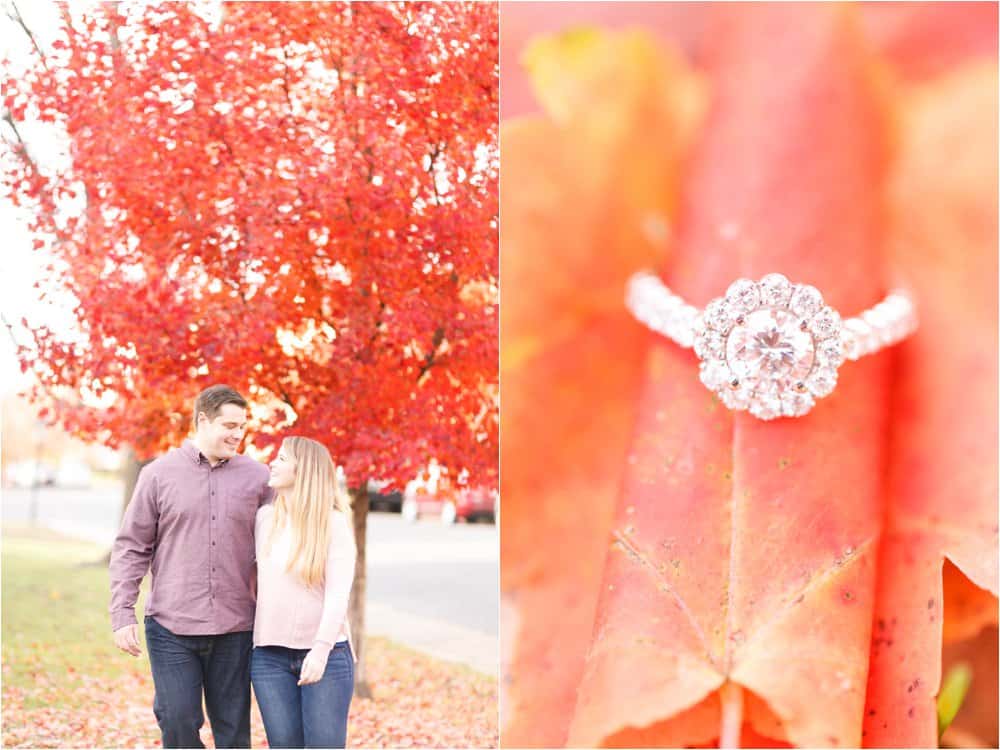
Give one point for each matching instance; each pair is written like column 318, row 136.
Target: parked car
column 31, row 474
column 380, row 498
column 422, row 499
column 478, row 503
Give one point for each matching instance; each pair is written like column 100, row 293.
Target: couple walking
column 251, row 576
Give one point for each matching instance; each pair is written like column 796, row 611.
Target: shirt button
column 213, row 544
column 213, row 518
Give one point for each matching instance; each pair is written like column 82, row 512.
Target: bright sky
column 22, row 266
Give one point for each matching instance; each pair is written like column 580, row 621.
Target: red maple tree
column 296, row 199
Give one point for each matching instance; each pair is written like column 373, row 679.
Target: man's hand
column 314, row 665
column 127, row 639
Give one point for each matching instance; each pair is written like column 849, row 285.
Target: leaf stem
column 731, row 695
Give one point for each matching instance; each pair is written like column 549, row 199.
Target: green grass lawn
column 55, row 613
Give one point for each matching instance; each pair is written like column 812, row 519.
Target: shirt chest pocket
column 241, row 505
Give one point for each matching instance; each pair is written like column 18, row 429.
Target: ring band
column 770, row 347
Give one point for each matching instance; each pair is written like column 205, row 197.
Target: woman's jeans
column 308, row 716
column 184, row 666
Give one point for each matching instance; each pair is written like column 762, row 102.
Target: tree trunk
column 130, row 474
column 359, row 498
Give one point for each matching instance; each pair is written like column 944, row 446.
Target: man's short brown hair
column 212, row 399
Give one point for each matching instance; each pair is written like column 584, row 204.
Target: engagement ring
column 770, row 347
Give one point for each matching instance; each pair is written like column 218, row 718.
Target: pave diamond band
column 770, row 347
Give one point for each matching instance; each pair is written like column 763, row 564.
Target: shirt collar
column 189, row 449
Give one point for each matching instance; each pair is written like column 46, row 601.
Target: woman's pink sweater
column 290, row 614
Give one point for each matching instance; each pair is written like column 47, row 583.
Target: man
column 191, row 520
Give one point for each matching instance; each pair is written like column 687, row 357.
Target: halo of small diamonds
column 770, row 347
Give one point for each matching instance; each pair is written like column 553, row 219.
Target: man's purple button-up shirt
column 192, row 524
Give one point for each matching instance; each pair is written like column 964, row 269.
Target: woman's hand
column 314, row 664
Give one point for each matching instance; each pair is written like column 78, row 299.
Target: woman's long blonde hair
column 315, row 494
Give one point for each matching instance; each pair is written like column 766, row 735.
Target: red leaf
column 572, row 358
column 942, row 482
column 740, row 558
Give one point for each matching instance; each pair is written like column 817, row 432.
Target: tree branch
column 430, row 360
column 20, row 147
column 19, row 20
column 435, row 153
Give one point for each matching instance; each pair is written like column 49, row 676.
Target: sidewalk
column 435, row 638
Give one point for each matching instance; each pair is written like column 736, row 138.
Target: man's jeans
column 308, row 716
column 184, row 665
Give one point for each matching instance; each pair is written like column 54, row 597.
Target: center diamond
column 769, row 351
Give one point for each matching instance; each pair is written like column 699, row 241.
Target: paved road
column 430, row 586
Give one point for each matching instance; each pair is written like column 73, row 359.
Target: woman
column 302, row 666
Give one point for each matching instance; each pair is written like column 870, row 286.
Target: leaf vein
column 642, row 558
